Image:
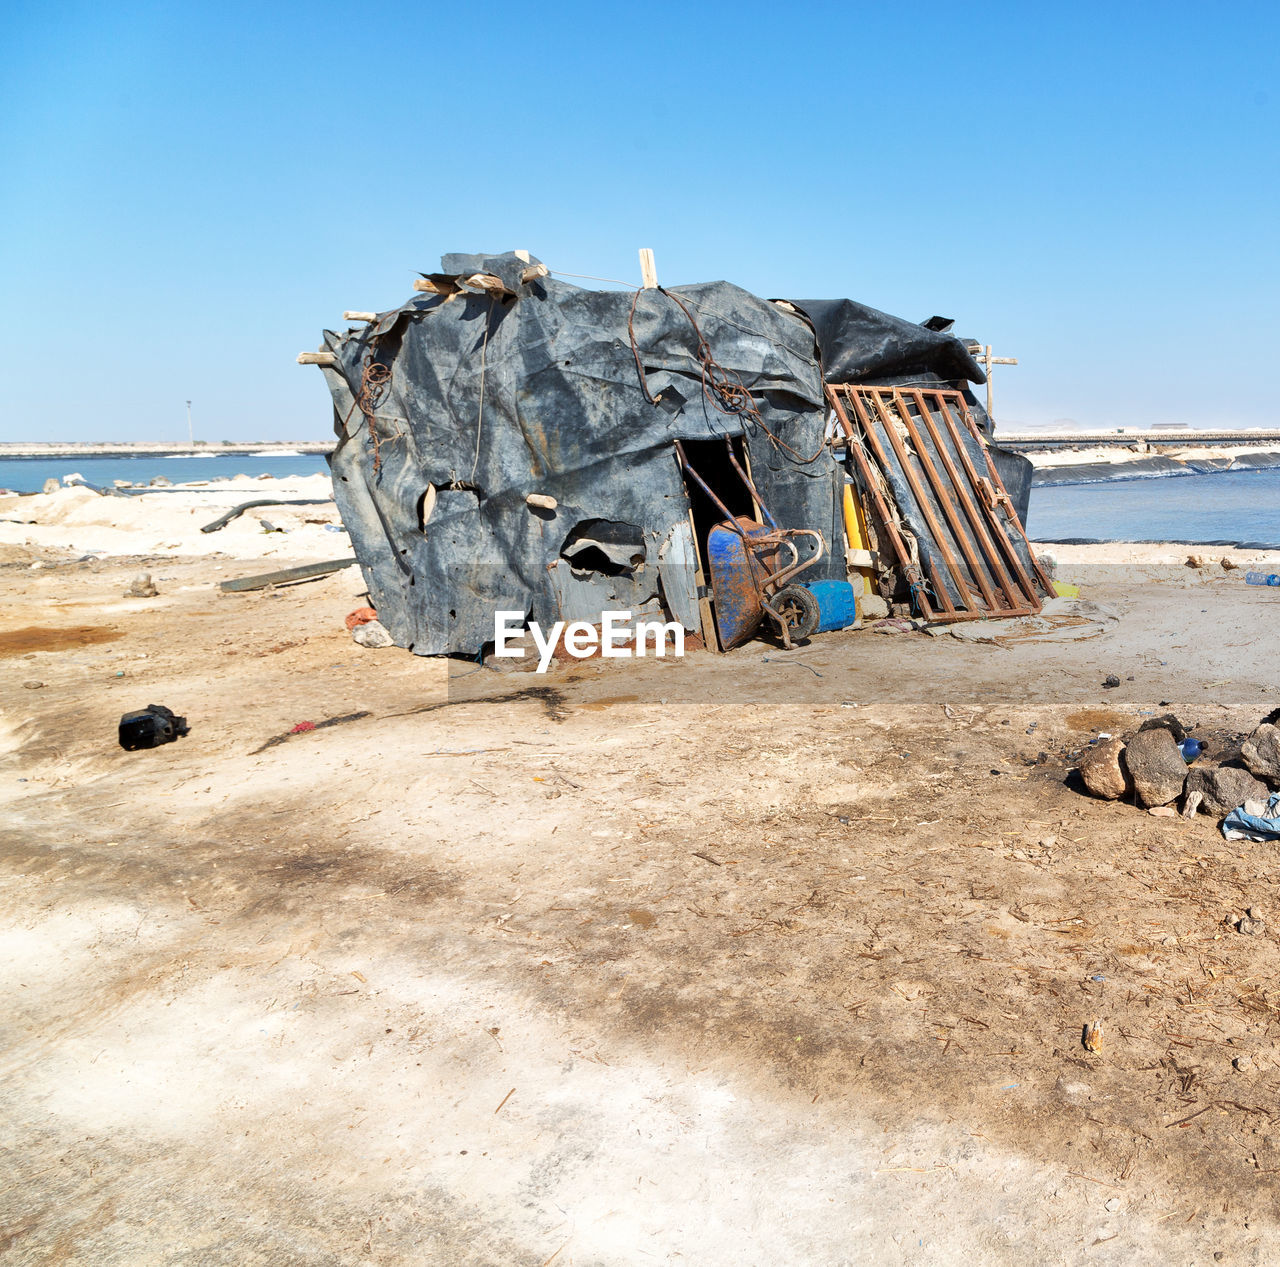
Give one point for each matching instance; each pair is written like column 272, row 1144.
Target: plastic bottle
column 1262, row 578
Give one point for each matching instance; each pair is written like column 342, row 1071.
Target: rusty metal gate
column 934, row 440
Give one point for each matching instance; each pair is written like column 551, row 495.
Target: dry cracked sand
column 756, row 959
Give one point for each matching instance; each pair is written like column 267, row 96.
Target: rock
column 1156, row 767
column 1091, row 1036
column 1242, row 1063
column 1112, row 1204
column 1255, row 912
column 1251, row 927
column 33, row 685
column 373, row 633
column 1261, row 752
column 1163, row 811
column 1103, row 772
column 873, row 607
column 1111, row 681
column 142, row 586
column 51, row 486
column 1167, row 721
column 161, row 482
column 1222, row 788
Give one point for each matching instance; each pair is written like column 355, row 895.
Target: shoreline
column 166, row 521
column 35, row 450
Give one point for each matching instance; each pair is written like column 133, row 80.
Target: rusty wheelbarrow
column 751, row 565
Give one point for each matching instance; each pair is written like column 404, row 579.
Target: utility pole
column 986, row 360
column 191, row 435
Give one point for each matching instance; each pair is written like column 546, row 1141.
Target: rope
column 723, row 389
column 555, row 272
column 375, row 382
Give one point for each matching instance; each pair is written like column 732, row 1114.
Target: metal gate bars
column 933, row 442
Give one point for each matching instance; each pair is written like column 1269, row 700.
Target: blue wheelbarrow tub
column 738, row 575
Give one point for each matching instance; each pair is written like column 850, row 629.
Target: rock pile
column 1150, row 765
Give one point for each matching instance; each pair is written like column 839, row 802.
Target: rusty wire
column 725, row 391
column 375, row 382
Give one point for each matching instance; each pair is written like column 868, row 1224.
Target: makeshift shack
column 509, row 441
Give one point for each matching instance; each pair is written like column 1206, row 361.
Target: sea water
column 27, row 475
column 1229, row 506
column 1219, row 508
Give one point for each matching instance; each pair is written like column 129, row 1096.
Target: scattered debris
column 361, row 616
column 306, row 727
column 1163, row 811
column 1091, row 1036
column 894, row 625
column 150, row 727
column 307, row 572
column 373, row 634
column 1254, row 820
column 223, row 520
column 142, row 586
column 1110, row 681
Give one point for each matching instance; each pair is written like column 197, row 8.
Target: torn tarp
column 860, row 344
column 454, row 409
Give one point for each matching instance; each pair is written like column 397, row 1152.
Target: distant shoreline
column 159, row 449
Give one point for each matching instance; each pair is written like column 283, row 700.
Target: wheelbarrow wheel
column 798, row 608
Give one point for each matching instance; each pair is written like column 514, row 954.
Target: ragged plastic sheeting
column 1254, row 820
column 506, row 441
column 453, row 410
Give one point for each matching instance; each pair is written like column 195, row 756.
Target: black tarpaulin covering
column 859, row 344
column 493, row 396
column 863, row 345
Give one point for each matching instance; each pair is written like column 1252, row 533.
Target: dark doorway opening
column 710, row 458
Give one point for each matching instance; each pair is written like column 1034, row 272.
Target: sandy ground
column 166, row 523
column 755, row 959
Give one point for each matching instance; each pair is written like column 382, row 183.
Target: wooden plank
column 648, row 269
column 710, row 638
column 317, row 358
column 308, row 572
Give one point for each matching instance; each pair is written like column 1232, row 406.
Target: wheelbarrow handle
column 746, row 479
column 724, row 510
column 796, row 566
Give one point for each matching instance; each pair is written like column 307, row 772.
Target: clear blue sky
column 192, row 192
